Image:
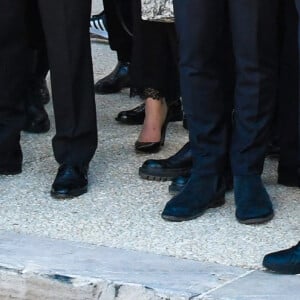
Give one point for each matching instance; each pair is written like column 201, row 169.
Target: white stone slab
column 74, row 264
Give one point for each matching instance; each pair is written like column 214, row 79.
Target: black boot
column 117, row 80
column 253, row 204
column 179, row 164
column 285, row 261
column 199, row 194
column 179, row 183
column 36, row 117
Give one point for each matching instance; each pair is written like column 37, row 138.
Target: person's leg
column 154, row 65
column 66, row 27
column 178, row 166
column 200, row 26
column 117, row 12
column 153, row 62
column 14, row 68
column 72, row 79
column 255, row 42
column 119, row 39
column 289, row 105
column 158, row 69
column 37, row 120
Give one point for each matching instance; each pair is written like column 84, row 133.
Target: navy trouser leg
column 255, row 43
column 289, row 105
column 200, row 25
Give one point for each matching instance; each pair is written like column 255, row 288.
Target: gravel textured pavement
column 123, row 211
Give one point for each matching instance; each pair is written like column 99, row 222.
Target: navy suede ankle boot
column 285, row 261
column 199, row 194
column 253, row 204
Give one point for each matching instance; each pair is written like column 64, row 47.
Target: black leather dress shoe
column 285, row 261
column 133, row 116
column 36, row 119
column 136, row 115
column 117, row 80
column 198, row 195
column 70, row 181
column 177, row 165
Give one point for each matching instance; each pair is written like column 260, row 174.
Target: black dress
column 154, row 66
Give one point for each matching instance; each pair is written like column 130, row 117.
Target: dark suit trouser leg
column 14, row 57
column 119, row 40
column 40, row 65
column 255, row 42
column 289, row 105
column 200, row 23
column 66, row 27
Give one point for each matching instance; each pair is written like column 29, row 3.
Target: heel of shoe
column 163, row 133
column 169, row 117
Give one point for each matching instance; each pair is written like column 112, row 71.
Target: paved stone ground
column 123, row 211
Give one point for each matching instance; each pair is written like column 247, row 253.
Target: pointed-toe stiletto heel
column 154, row 147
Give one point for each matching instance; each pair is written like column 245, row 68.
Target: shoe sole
column 128, row 122
column 97, row 38
column 170, row 175
column 280, row 270
column 255, row 221
column 10, row 173
column 70, row 195
column 217, row 203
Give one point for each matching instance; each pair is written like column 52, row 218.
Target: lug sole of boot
column 169, row 175
column 256, row 221
column 217, row 203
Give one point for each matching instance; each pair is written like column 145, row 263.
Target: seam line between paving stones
column 225, row 284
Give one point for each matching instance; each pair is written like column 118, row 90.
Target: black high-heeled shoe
column 154, row 147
